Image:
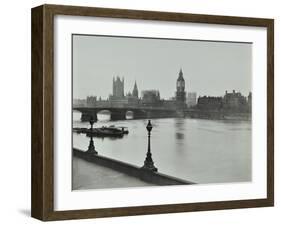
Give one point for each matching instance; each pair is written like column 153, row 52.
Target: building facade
column 91, row 100
column 235, row 101
column 209, row 103
column 150, row 98
column 118, row 98
column 191, row 100
column 230, row 102
column 118, row 88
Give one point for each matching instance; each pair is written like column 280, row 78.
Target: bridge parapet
column 123, row 107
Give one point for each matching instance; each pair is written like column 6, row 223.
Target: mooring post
column 91, row 147
column 148, row 163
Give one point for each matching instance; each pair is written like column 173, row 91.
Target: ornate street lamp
column 92, row 121
column 91, row 147
column 148, row 163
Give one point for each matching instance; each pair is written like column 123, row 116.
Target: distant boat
column 118, row 128
column 110, row 131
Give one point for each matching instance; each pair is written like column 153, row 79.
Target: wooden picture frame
column 42, row 203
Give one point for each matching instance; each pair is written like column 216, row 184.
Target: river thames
column 197, row 150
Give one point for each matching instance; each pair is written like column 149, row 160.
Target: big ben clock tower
column 180, row 94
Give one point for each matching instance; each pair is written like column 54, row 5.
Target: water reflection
column 179, row 128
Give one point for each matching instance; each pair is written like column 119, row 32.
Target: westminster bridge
column 120, row 112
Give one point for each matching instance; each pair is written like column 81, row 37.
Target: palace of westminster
column 233, row 101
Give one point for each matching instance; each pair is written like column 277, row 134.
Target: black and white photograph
column 152, row 112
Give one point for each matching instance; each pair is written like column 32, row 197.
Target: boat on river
column 104, row 131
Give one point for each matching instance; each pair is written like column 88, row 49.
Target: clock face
column 180, row 84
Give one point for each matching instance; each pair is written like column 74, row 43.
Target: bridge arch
column 76, row 115
column 130, row 114
column 104, row 115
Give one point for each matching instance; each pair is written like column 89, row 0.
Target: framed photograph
column 142, row 112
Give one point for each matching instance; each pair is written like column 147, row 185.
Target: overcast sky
column 209, row 68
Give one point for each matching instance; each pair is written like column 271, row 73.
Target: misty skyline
column 209, row 68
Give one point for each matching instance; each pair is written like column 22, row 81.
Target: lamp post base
column 92, row 151
column 91, row 148
column 148, row 165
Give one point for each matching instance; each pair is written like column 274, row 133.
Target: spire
column 135, row 90
column 180, row 78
